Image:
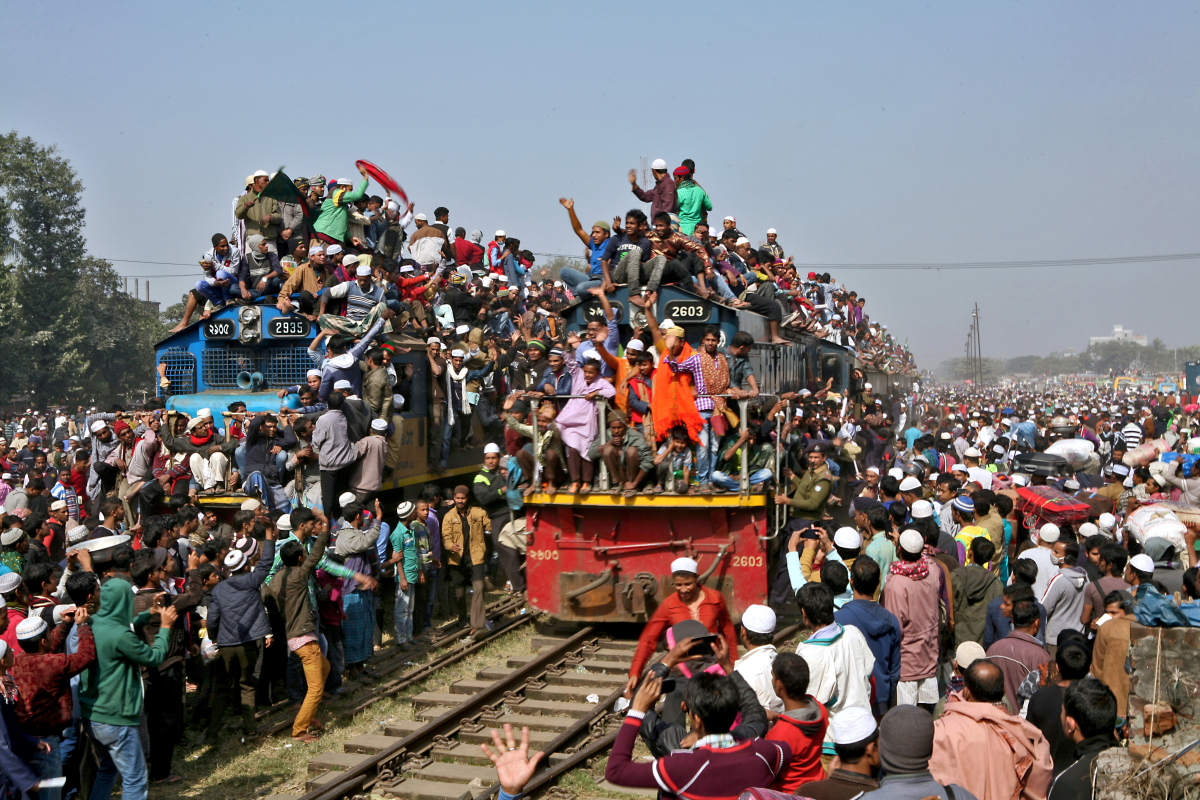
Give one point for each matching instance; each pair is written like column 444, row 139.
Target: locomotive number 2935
column 289, row 327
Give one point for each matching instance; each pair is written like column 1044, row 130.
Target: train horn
column 249, row 380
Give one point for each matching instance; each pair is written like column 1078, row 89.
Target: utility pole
column 978, row 345
column 645, row 172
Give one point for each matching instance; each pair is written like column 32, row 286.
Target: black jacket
column 258, row 450
column 1075, row 782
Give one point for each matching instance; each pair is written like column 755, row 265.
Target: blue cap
column 964, row 503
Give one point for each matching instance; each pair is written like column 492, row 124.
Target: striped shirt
column 1132, row 434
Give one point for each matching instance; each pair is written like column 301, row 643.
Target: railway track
column 564, row 693
column 445, row 646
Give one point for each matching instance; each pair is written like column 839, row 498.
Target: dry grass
column 279, row 766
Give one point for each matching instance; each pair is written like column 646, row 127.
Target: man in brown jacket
column 289, row 588
column 464, row 539
column 261, row 214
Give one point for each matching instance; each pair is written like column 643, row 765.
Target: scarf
column 716, row 377
column 917, row 570
column 200, row 441
column 674, row 400
column 459, row 376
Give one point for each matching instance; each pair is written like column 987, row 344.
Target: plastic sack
column 1145, row 452
column 1155, row 521
column 1075, row 451
column 1184, row 512
column 208, row 650
column 1188, row 460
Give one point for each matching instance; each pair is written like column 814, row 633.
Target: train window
column 831, row 367
column 417, row 404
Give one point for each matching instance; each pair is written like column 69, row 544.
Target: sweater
column 704, row 773
column 111, row 689
column 974, row 588
column 804, row 731
column 1063, row 601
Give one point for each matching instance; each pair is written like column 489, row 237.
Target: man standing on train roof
column 662, row 198
column 772, row 245
column 694, row 202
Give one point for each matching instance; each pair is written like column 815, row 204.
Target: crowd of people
column 959, row 643
column 941, row 622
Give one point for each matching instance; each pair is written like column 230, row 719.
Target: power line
column 954, row 265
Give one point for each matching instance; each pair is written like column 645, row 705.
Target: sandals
column 585, row 489
column 306, row 738
column 574, row 489
column 172, row 778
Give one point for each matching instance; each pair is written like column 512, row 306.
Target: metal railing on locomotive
column 602, row 412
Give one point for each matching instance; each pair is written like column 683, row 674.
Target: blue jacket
column 881, row 629
column 236, row 614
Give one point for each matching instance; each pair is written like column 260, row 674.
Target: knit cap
column 906, row 740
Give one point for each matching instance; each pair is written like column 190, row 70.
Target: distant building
column 1120, row 334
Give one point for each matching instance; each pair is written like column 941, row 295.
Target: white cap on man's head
column 758, row 619
column 636, row 345
column 968, row 653
column 346, row 498
column 284, row 523
column 261, row 174
column 897, row 473
column 339, row 385
column 730, row 219
column 491, row 447
column 1049, row 533
column 98, row 426
column 313, row 373
column 421, row 217
column 847, row 538
column 1088, row 529
column 910, row 484
column 251, row 505
column 685, row 565
column 772, row 230
column 501, row 234
column 58, row 505
column 1142, row 563
column 333, row 249
column 873, row 469
column 912, row 542
column 922, row 509
column 461, row 329
column 972, row 452
column 378, row 424
column 363, row 271
column 659, row 165
column 852, row 725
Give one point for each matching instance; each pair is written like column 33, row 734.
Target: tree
column 70, row 332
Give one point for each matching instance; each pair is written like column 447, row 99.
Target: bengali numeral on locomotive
column 219, row 329
column 543, row 555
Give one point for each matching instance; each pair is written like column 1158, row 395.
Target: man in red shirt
column 43, row 675
column 801, row 725
column 468, row 252
column 691, row 600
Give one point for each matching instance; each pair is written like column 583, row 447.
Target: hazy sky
column 888, row 132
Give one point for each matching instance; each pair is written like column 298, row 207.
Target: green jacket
column 111, row 688
column 334, row 220
column 255, row 214
column 810, row 493
column 694, row 203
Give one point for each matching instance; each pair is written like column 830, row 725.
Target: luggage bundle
column 1042, row 504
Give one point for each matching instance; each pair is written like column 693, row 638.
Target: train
column 606, row 558
column 594, row 558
